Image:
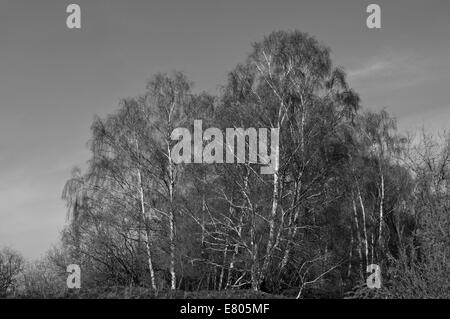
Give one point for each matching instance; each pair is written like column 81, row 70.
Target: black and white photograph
column 244, row 150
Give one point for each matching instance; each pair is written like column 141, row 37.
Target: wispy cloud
column 389, row 64
column 411, row 86
column 392, row 72
column 374, row 68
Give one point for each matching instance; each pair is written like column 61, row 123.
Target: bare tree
column 11, row 265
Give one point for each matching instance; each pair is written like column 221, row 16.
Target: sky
column 53, row 80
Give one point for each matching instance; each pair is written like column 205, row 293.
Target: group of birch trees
column 347, row 190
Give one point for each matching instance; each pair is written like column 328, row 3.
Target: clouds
column 374, row 68
column 395, row 67
column 400, row 69
column 412, row 87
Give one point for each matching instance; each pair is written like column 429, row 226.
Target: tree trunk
column 292, row 232
column 235, row 253
column 171, row 222
column 272, row 218
column 358, row 236
column 147, row 231
column 222, row 272
column 380, row 230
column 366, row 244
column 350, row 256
